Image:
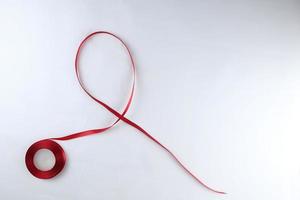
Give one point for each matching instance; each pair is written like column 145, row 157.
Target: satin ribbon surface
column 60, row 157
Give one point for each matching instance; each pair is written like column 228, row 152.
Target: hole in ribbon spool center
column 44, row 159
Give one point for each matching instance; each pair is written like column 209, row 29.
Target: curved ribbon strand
column 116, row 113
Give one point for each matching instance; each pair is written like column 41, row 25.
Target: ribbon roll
column 58, row 150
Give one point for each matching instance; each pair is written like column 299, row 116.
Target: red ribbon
column 58, row 150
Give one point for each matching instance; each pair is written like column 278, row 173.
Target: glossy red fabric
column 58, row 151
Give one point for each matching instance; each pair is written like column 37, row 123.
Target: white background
column 218, row 83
